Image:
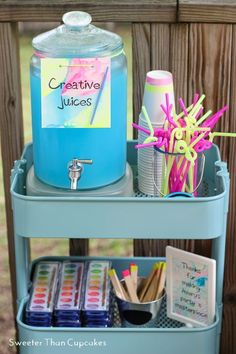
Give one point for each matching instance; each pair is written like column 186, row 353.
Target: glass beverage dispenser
column 79, row 99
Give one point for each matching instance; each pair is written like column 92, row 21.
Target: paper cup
column 150, row 165
column 158, row 83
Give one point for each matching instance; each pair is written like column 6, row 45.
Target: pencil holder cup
column 180, row 174
column 139, row 313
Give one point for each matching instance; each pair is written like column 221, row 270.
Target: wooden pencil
column 150, row 294
column 134, row 274
column 119, row 290
column 162, row 281
column 130, row 286
column 148, row 282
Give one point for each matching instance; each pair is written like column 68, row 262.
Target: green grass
column 45, row 247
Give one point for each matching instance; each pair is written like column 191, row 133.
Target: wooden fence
column 195, row 40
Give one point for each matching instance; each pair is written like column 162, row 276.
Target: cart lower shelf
column 165, row 336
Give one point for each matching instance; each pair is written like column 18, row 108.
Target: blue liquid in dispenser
column 54, row 148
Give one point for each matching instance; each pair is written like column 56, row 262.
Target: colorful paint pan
column 69, row 271
column 96, row 271
column 67, row 288
column 95, row 277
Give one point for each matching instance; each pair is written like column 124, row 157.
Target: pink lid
column 159, row 77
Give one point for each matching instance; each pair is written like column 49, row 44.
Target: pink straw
column 179, row 173
column 181, row 102
column 154, row 143
column 136, row 126
column 167, row 111
column 139, row 146
column 181, row 183
column 211, row 122
column 199, row 112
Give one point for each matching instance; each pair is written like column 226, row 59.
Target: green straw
column 212, row 135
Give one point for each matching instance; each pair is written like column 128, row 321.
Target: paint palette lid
column 77, row 37
column 69, row 292
column 97, row 291
column 44, row 287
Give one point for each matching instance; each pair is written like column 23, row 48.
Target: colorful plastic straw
column 182, row 138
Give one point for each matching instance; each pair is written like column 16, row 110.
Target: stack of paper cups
column 150, row 164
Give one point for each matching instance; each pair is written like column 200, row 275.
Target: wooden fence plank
column 228, row 342
column 169, row 51
column 209, row 73
column 179, row 68
column 141, row 63
column 160, row 46
column 101, row 10
column 79, row 247
column 209, row 70
column 179, row 60
column 11, row 126
column 220, row 11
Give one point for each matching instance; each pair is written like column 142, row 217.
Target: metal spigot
column 75, row 170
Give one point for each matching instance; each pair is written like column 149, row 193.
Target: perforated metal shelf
column 204, row 191
column 162, row 321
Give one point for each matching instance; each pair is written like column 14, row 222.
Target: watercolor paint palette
column 69, row 298
column 97, row 296
column 41, row 303
column 70, row 294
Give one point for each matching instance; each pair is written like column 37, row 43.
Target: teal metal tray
column 166, row 336
column 123, row 217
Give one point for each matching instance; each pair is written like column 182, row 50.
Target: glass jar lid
column 77, row 37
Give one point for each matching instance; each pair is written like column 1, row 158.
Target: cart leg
column 22, row 267
column 218, row 253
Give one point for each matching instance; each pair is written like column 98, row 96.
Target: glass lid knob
column 76, row 19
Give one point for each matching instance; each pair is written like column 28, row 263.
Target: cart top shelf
column 137, row 217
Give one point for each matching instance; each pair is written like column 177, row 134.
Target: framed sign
column 191, row 287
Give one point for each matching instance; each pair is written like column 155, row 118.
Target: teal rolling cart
column 191, row 218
